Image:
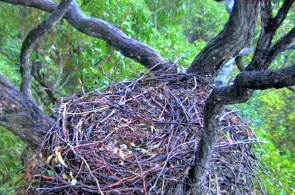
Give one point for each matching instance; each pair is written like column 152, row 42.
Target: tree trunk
column 21, row 116
column 226, row 45
column 233, row 38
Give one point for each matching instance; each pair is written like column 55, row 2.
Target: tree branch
column 246, row 82
column 266, row 79
column 283, row 12
column 41, row 80
column 101, row 29
column 269, row 27
column 214, row 105
column 21, row 116
column 230, row 41
column 281, row 45
column 10, row 58
column 240, row 92
column 266, row 13
column 31, row 40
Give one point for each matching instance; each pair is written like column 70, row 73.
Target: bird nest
column 141, row 137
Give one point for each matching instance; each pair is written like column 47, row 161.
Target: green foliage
column 273, row 118
column 11, row 148
column 68, row 56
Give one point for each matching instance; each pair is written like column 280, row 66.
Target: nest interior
column 141, row 137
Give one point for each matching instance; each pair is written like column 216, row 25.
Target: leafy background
column 178, row 29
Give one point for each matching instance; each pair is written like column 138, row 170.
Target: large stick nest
column 141, row 137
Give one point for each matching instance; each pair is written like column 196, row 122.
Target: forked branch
column 31, row 40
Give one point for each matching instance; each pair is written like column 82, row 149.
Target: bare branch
column 269, row 27
column 266, row 13
column 31, row 40
column 101, row 29
column 227, row 44
column 214, row 105
column 280, row 46
column 247, row 81
column 41, row 80
column 10, row 58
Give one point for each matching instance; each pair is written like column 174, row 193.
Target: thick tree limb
column 101, row 29
column 265, row 79
column 214, row 105
column 30, row 41
column 230, row 41
column 240, row 92
column 21, row 116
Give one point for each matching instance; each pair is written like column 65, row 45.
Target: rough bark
column 266, row 79
column 30, row 41
column 241, row 91
column 214, row 105
column 101, row 29
column 21, row 116
column 230, row 41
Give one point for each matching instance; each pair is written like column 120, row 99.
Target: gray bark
column 21, row 116
column 230, row 41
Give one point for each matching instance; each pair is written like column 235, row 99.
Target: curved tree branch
column 230, row 41
column 21, row 116
column 31, row 40
column 101, row 29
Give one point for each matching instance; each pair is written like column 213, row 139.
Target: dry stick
column 143, row 176
column 166, row 161
column 217, row 184
column 181, row 105
column 241, row 162
column 90, row 171
column 31, row 40
column 122, row 184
